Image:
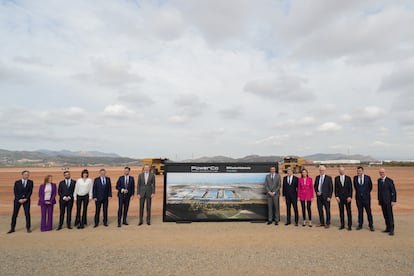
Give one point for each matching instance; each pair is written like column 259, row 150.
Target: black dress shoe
column 296, row 224
column 148, row 223
column 119, row 225
column 276, row 223
column 79, row 227
column 29, row 231
column 391, row 233
column 125, row 223
column 349, row 228
column 269, row 222
column 287, row 223
column 96, row 225
column 59, row 228
column 342, row 227
column 386, row 231
column 139, row 223
column 372, row 229
column 359, row 228
column 69, row 227
column 106, row 224
column 10, row 231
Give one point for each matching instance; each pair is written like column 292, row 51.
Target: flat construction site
column 208, row 248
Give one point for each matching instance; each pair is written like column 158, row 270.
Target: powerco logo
column 204, row 169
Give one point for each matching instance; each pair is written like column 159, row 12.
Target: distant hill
column 62, row 158
column 225, row 159
column 338, row 156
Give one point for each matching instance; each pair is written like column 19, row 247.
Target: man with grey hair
column 387, row 197
column 323, row 189
column 272, row 187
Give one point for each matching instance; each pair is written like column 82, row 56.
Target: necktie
column 103, row 181
column 360, row 180
column 24, row 183
column 342, row 180
column 67, row 183
column 126, row 182
column 272, row 176
column 320, row 183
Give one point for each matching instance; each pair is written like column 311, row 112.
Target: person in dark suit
column 272, row 188
column 363, row 188
column 146, row 191
column 22, row 192
column 101, row 193
column 290, row 192
column 343, row 195
column 65, row 191
column 126, row 190
column 323, row 188
column 387, row 197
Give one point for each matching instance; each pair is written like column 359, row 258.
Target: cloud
column 113, row 74
column 274, row 140
column 284, row 88
column 188, row 106
column 231, row 113
column 329, row 127
column 117, row 110
column 135, row 98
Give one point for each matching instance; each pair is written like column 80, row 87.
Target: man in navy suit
column 290, row 192
column 343, row 195
column 126, row 190
column 101, row 193
column 22, row 192
column 65, row 191
column 363, row 188
column 323, row 189
column 387, row 197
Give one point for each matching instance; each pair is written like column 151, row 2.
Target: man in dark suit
column 290, row 192
column 126, row 190
column 65, row 191
column 101, row 193
column 22, row 192
column 146, row 191
column 363, row 188
column 323, row 188
column 272, row 187
column 387, row 197
column 343, row 195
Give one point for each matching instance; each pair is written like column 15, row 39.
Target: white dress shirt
column 83, row 187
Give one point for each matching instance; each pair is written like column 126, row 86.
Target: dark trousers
column 99, row 204
column 388, row 216
column 81, row 201
column 142, row 201
column 344, row 204
column 367, row 206
column 308, row 207
column 123, row 206
column 65, row 206
column 323, row 203
column 16, row 208
column 46, row 218
column 289, row 203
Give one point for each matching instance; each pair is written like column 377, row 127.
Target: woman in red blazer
column 47, row 198
column 305, row 195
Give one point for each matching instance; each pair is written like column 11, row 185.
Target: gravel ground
column 236, row 248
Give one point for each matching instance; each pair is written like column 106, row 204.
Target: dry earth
column 236, row 248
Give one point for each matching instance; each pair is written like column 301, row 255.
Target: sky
column 184, row 79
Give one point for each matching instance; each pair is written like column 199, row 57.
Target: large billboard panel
column 215, row 191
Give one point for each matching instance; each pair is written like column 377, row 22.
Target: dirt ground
column 236, row 248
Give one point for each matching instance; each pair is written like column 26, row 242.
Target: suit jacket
column 20, row 192
column 100, row 191
column 41, row 201
column 272, row 185
column 363, row 192
column 327, row 186
column 63, row 190
column 386, row 191
column 149, row 189
column 305, row 190
column 290, row 191
column 120, row 184
column 343, row 192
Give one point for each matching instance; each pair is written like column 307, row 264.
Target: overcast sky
column 186, row 79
